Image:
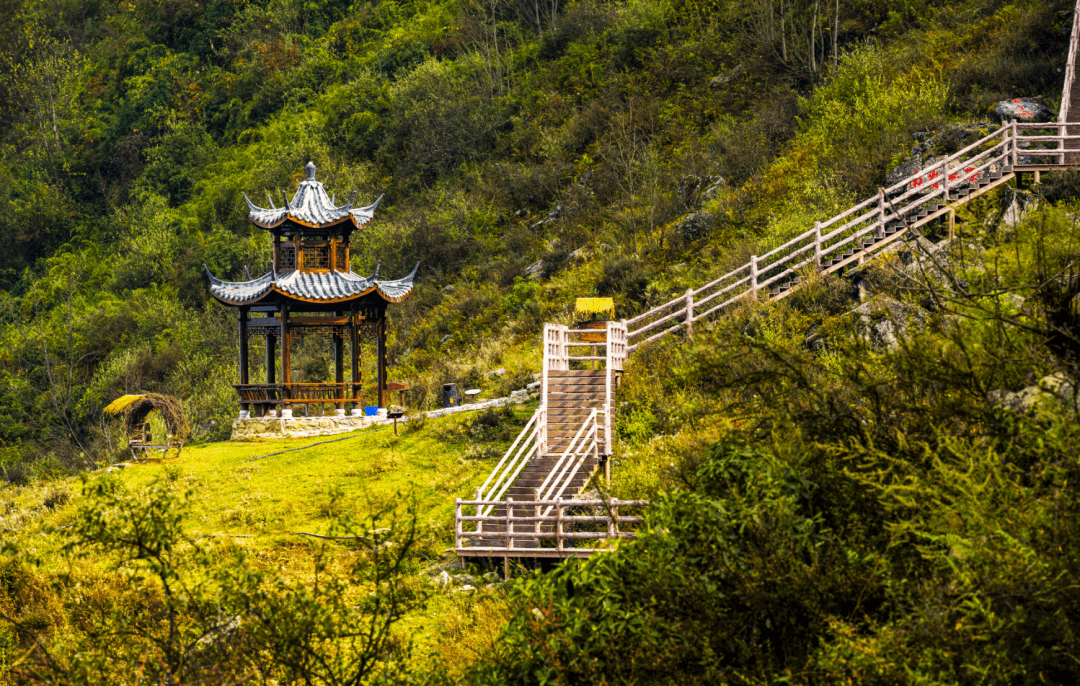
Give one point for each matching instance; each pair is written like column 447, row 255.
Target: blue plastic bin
column 371, row 410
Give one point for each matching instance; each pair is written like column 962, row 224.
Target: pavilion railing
column 278, row 394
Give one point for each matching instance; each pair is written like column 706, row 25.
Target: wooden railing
column 857, row 233
column 581, row 447
column 1070, row 67
column 542, row 526
column 524, row 447
column 277, row 394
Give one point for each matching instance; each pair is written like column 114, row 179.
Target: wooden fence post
column 457, row 523
column 479, row 511
column 558, row 527
column 1015, row 149
column 689, row 311
column 536, row 513
column 817, row 244
column 945, row 178
column 509, row 523
column 753, row 277
column 881, row 213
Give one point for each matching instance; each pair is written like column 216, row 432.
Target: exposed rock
column 727, row 77
column 1056, row 388
column 445, row 339
column 579, row 254
column 1060, row 386
column 447, row 289
column 1022, row 110
column 519, row 396
column 534, row 270
column 711, row 192
column 883, row 321
column 1017, row 207
column 497, row 372
column 695, row 225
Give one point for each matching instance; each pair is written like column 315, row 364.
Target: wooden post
column 952, row 223
column 881, row 213
column 271, row 366
column 286, row 373
column 354, row 361
column 753, row 277
column 509, row 523
column 817, row 244
column 1061, row 131
column 380, row 329
column 558, row 527
column 479, row 510
column 689, row 311
column 457, row 523
column 945, row 179
column 339, row 370
column 243, row 335
column 1015, row 150
column 1036, row 174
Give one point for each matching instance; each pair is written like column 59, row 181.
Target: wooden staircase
column 521, row 510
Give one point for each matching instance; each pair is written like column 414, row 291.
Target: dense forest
column 827, row 506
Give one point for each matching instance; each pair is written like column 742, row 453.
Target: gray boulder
column 1022, row 110
column 695, row 225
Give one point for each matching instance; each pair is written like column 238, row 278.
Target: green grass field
column 261, row 505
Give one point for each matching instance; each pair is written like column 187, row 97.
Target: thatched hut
column 137, row 410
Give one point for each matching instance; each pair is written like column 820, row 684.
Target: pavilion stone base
column 270, row 428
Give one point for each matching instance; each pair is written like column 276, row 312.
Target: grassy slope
column 268, row 500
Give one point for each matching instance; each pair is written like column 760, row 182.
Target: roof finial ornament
column 310, row 169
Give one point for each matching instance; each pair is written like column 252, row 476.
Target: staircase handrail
column 563, row 480
column 548, row 486
column 897, row 202
column 1070, row 66
column 517, row 462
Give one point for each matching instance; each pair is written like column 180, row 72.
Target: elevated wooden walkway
column 530, row 506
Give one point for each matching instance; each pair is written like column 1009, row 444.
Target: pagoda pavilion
column 310, row 290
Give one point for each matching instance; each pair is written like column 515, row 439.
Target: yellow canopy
column 594, row 306
column 122, row 403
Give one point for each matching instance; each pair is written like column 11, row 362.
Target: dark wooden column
column 381, row 338
column 354, row 359
column 271, row 368
column 243, row 334
column 339, row 368
column 286, row 341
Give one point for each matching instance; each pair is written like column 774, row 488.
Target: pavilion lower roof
column 322, row 287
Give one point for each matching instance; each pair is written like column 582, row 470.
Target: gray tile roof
column 310, row 205
column 329, row 286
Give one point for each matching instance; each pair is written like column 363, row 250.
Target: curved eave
column 311, row 225
column 323, row 301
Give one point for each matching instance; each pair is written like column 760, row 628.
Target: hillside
column 871, row 481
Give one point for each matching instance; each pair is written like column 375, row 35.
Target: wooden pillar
column 339, row 369
column 286, row 374
column 952, row 223
column 354, row 360
column 381, row 343
column 271, row 367
column 243, row 336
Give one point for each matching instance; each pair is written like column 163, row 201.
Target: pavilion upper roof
column 320, row 287
column 310, row 206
